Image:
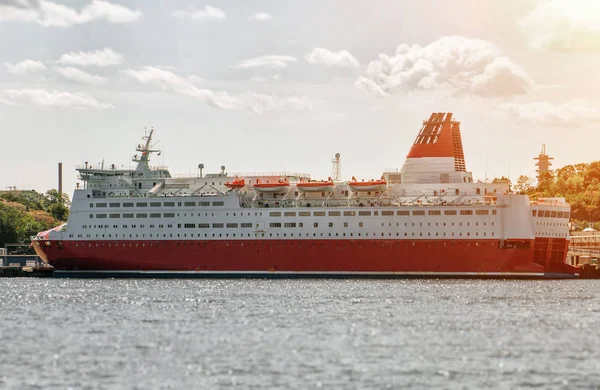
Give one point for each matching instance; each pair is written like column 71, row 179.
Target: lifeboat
column 280, row 186
column 316, row 186
column 236, row 184
column 371, row 185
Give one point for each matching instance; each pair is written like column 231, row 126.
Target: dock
column 31, row 272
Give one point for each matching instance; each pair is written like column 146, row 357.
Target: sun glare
column 577, row 10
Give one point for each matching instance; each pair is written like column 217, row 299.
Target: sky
column 271, row 86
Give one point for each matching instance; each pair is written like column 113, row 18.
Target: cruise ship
column 428, row 219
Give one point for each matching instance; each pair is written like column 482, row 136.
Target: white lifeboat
column 370, row 186
column 316, row 186
column 280, row 186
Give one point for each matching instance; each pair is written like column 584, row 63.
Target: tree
column 57, row 205
column 524, row 185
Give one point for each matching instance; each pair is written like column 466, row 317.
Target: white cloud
column 260, row 103
column 185, row 86
column 200, row 15
column 571, row 114
column 15, row 12
column 257, row 103
column 23, row 67
column 102, row 58
column 563, row 26
column 267, row 61
column 52, row 14
column 339, row 59
column 461, row 65
column 262, row 17
column 41, row 97
column 80, row 76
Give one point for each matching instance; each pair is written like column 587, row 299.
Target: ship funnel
column 437, row 155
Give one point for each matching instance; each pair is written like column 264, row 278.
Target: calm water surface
column 299, row 334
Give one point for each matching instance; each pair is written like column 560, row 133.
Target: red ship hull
column 309, row 257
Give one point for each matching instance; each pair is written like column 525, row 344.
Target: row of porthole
column 199, row 235
column 276, row 244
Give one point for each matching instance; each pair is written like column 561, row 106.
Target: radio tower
column 543, row 162
column 336, row 170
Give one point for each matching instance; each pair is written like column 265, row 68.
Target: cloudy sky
column 263, row 86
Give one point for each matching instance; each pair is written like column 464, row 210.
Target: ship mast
column 145, row 149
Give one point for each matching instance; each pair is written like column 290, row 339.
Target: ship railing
column 271, row 174
column 114, row 167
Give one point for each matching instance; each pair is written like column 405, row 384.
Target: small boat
column 236, row 184
column 316, row 186
column 280, row 186
column 370, row 186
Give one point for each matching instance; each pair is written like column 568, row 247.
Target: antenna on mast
column 336, row 169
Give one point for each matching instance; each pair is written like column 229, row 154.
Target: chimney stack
column 60, row 190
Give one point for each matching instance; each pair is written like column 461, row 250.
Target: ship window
column 232, row 225
column 349, row 213
column 275, row 214
column 141, row 215
column 330, row 224
column 304, row 214
column 115, row 205
column 100, row 204
column 217, row 225
column 289, row 224
column 553, row 214
column 114, row 215
column 169, row 204
column 189, row 225
column 275, row 224
column 154, row 204
column 127, row 204
column 360, row 224
column 403, row 212
column 100, row 215
column 364, row 213
column 301, row 224
column 169, row 215
column 334, row 213
column 434, row 212
column 418, row 212
column 246, row 225
column 141, row 204
column 466, row 212
column 449, row 212
column 219, row 203
column 566, row 214
column 319, row 213
column 203, row 225
column 345, row 224
column 289, row 214
column 91, row 205
column 316, row 224
column 493, row 212
column 387, row 213
column 189, row 204
column 91, row 215
column 482, row 212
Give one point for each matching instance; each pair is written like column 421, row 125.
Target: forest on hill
column 579, row 184
column 25, row 213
